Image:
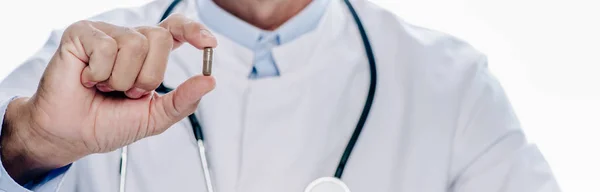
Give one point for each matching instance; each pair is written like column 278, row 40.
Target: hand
column 72, row 115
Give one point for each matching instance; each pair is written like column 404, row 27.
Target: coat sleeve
column 490, row 150
column 23, row 82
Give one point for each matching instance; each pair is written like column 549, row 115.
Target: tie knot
column 268, row 40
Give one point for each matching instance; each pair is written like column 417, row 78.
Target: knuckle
column 193, row 27
column 175, row 17
column 159, row 35
column 136, row 42
column 80, row 24
column 74, row 30
column 106, row 46
column 149, row 81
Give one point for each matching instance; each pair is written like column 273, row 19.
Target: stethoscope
column 323, row 184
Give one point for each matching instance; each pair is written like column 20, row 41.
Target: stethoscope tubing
column 370, row 96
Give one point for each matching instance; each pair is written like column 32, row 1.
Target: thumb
column 179, row 103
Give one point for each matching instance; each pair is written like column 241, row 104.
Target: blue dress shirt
column 256, row 39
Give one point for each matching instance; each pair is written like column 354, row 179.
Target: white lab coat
column 440, row 121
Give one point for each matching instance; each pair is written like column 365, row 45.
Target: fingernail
column 206, row 33
column 136, row 93
column 89, row 84
column 104, row 88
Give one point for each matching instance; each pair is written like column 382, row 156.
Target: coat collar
column 290, row 57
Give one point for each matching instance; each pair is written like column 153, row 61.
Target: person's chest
column 280, row 133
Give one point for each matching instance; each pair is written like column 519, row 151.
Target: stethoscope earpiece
column 327, row 184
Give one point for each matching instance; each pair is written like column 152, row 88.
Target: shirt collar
column 223, row 22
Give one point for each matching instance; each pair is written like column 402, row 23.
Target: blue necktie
column 264, row 64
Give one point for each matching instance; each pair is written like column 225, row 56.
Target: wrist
column 20, row 148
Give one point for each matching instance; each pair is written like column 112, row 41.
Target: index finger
column 187, row 30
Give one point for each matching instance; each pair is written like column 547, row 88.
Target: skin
column 97, row 92
column 264, row 14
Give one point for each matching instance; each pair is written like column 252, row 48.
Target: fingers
column 152, row 73
column 180, row 103
column 184, row 30
column 133, row 48
column 116, row 54
column 101, row 50
column 133, row 60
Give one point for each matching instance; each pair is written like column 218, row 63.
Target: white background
column 546, row 54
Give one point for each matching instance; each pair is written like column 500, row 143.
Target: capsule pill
column 207, row 61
